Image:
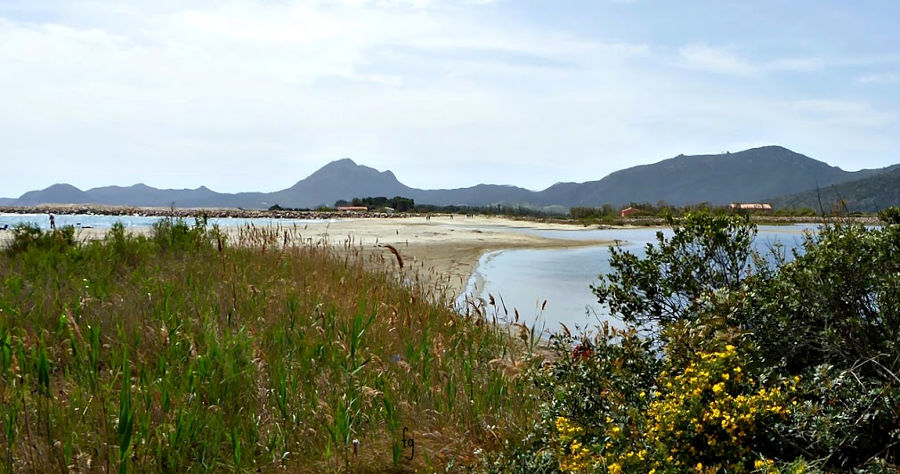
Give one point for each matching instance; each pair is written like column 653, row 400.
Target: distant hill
column 480, row 195
column 750, row 175
column 58, row 193
column 863, row 195
column 136, row 195
column 342, row 179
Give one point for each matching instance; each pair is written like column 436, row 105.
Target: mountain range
column 752, row 175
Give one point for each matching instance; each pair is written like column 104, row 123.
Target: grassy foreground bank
column 178, row 352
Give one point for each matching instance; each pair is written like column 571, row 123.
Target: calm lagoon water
column 526, row 278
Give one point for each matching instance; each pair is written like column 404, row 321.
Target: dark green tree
column 707, row 253
column 829, row 315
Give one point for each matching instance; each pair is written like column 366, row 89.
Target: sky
column 247, row 95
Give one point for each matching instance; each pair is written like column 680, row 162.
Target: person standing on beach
column 52, row 222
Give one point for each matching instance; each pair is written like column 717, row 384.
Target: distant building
column 353, row 208
column 746, row 206
column 629, row 211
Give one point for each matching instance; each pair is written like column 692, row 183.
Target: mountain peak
column 342, row 163
column 340, row 179
column 60, row 193
column 62, row 187
column 771, row 148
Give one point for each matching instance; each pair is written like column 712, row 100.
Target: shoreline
column 223, row 212
column 444, row 249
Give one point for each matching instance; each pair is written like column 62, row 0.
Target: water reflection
column 524, row 279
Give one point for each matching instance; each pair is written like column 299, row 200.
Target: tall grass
column 177, row 352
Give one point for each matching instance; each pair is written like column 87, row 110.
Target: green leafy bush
column 743, row 363
column 708, row 252
column 30, row 237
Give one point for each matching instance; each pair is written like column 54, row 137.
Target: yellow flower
column 614, row 468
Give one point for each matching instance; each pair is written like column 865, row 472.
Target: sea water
column 87, row 221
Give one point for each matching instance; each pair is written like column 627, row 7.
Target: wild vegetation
column 398, row 203
column 732, row 361
column 869, row 194
column 183, row 352
column 609, row 214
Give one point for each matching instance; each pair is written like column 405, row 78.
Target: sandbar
column 443, row 248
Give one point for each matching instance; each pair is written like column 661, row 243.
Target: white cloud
column 845, row 113
column 726, row 60
column 245, row 95
column 879, row 78
column 717, row 60
column 250, row 85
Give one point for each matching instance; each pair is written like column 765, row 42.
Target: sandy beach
column 444, row 248
column 441, row 247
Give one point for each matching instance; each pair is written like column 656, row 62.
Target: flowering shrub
column 574, row 456
column 703, row 417
column 743, row 364
column 710, row 413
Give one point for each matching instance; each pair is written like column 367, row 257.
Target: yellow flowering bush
column 708, row 413
column 573, row 455
column 701, row 418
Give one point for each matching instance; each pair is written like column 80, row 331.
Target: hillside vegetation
column 745, row 176
column 870, row 194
